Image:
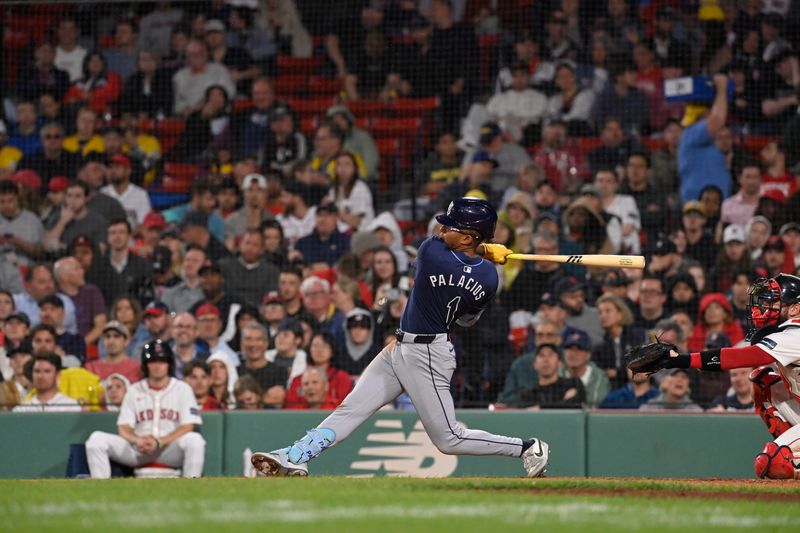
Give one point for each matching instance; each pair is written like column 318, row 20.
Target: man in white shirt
column 133, row 198
column 520, row 107
column 191, row 82
column 156, row 422
column 46, row 369
column 69, row 54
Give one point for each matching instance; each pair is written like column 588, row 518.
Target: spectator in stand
column 716, row 316
column 156, row 26
column 25, row 135
column 477, row 176
column 326, row 244
column 371, row 66
column 281, row 21
column 300, row 215
column 39, row 283
column 623, row 101
column 413, row 67
column 287, row 353
column 587, row 227
column 185, row 343
column 776, row 175
column 16, row 386
column 157, row 320
column 615, row 149
column 652, row 300
column 116, row 339
column 203, row 200
column 198, row 376
column 519, row 108
column 86, row 140
column 621, row 206
column 93, row 173
column 43, row 340
column 15, row 329
column 620, row 336
column 212, row 282
column 700, row 244
column 355, row 140
column 270, row 377
column 328, row 143
column 663, row 258
column 69, row 54
column 289, row 281
column 90, row 310
column 21, row 231
column 315, row 392
column 740, row 208
column 383, row 270
column 322, row 354
column 248, row 276
column 774, row 258
column 731, row 258
column 536, row 277
column 741, row 399
column 700, row 162
column 790, row 232
column 133, row 198
column 665, row 175
column 131, row 270
column 121, row 58
column 682, row 293
column 564, row 165
column 223, row 377
column 637, row 390
column 51, row 313
column 577, row 351
column 675, row 394
column 251, row 126
column 551, row 390
column 360, row 347
column 47, row 399
column 195, row 232
column 43, row 76
column 669, row 49
column 275, row 246
column 209, row 328
column 571, row 104
column 649, row 201
column 191, row 83
column 116, row 386
column 248, row 394
column 559, row 44
column 649, row 81
column 509, row 156
column 239, row 61
column 316, row 295
column 272, row 313
column 285, row 144
column 351, row 195
column 779, row 91
column 253, row 212
column 10, row 156
column 98, row 87
column 579, row 315
column 148, row 90
column 52, row 160
column 128, row 311
column 185, row 294
column 208, row 129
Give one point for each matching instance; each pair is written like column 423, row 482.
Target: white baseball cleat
column 535, row 458
column 276, row 463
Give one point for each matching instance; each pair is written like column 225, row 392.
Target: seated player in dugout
column 455, row 281
column 775, row 352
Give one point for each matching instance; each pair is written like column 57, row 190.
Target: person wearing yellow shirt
column 9, row 156
column 86, row 139
column 328, row 142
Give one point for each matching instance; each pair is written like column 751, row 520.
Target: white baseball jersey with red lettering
column 158, row 412
column 784, row 347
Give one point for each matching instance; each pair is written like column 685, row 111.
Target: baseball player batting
column 155, row 424
column 454, row 282
column 775, row 352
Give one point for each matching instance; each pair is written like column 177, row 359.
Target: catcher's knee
column 775, row 462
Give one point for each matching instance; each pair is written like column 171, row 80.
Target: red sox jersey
column 784, row 347
column 158, row 412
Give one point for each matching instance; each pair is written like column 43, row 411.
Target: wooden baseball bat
column 590, row 260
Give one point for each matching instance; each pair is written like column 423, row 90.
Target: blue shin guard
column 310, row 446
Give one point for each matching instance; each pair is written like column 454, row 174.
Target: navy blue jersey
column 448, row 285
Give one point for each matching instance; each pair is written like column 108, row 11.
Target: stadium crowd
column 249, row 179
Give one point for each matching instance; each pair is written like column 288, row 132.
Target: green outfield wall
column 394, row 443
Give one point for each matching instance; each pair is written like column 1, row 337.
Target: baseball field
column 398, row 504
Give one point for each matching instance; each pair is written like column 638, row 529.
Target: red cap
column 120, row 159
column 207, row 309
column 154, row 220
column 57, row 184
column 775, row 243
column 775, row 194
column 27, row 178
column 272, row 297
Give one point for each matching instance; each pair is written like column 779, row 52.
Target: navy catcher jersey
column 448, row 285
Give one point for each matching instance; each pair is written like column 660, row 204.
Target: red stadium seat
column 363, row 122
column 308, row 125
column 755, row 143
column 298, row 65
column 319, row 86
column 396, row 127
column 178, row 177
column 487, row 44
column 414, row 107
column 241, row 104
column 315, row 106
column 290, row 85
column 587, row 144
column 368, row 108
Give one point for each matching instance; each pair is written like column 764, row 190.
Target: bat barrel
column 591, row 260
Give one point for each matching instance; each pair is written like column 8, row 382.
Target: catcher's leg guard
column 775, row 462
column 763, row 378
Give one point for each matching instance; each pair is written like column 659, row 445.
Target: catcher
column 774, row 351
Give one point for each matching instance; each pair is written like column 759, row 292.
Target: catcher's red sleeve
column 743, row 357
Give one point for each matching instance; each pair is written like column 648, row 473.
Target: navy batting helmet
column 470, row 213
column 157, row 350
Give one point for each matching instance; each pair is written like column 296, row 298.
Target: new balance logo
column 575, row 259
column 398, row 454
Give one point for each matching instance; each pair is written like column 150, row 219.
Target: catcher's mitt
column 649, row 358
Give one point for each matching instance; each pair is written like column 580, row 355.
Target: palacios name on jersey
column 467, row 283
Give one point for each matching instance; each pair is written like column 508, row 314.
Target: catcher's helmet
column 157, row 350
column 470, row 213
column 783, row 289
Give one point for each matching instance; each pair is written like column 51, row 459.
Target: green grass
column 390, row 504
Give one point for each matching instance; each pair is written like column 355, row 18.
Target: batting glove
column 496, row 253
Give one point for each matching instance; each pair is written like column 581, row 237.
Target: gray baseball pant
column 424, row 372
column 187, row 453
